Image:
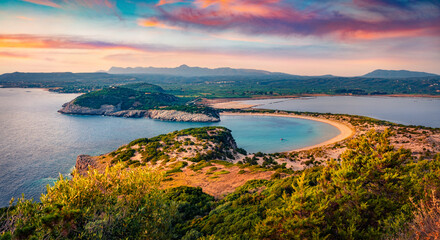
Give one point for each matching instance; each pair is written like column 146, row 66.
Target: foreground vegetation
column 373, row 191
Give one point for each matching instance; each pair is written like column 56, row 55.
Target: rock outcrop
column 129, row 113
column 179, row 116
column 166, row 115
column 72, row 108
column 83, row 162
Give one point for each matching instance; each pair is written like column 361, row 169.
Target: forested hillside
column 127, row 98
column 230, row 86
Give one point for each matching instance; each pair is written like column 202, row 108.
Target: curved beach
column 345, row 131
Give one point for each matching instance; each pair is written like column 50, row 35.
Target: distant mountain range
column 379, row 73
column 187, row 71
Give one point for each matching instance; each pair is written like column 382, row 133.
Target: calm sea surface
column 404, row 110
column 37, row 143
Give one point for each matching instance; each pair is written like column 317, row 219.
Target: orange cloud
column 149, row 22
column 164, row 2
column 154, row 22
column 32, row 41
column 365, row 35
column 256, row 7
column 44, row 3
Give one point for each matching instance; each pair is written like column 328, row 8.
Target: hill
column 64, row 81
column 127, row 99
column 144, row 87
column 379, row 73
column 187, row 71
column 147, row 101
column 188, row 146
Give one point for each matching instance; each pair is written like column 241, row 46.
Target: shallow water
column 403, row 110
column 37, row 143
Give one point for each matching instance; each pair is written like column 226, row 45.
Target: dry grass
column 426, row 223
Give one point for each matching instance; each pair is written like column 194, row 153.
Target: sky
column 305, row 37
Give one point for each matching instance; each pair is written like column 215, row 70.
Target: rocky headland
column 199, row 157
column 116, row 111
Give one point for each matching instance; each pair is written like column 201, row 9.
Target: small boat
column 282, row 139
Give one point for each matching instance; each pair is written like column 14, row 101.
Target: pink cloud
column 12, row 55
column 48, row 3
column 91, row 3
column 276, row 17
column 80, row 3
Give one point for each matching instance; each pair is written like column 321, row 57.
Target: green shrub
column 221, row 172
column 177, row 167
column 200, row 165
column 115, row 204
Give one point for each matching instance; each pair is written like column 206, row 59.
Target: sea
column 37, row 143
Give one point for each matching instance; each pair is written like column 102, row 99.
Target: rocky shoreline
column 115, row 111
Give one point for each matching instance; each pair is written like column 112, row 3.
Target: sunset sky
column 307, row 37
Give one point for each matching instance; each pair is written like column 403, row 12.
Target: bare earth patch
column 219, row 186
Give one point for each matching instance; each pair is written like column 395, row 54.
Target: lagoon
column 37, row 143
column 404, row 110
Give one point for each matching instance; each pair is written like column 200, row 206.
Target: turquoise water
column 403, row 110
column 37, row 143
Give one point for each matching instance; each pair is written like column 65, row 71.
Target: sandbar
column 232, row 105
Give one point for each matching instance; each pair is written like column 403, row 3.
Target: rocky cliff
column 83, row 162
column 72, row 108
column 179, row 116
column 111, row 110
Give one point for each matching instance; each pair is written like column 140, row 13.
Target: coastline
column 345, row 131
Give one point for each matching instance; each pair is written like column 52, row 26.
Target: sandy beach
column 345, row 131
column 237, row 103
column 232, row 105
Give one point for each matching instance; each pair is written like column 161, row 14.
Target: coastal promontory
column 143, row 101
